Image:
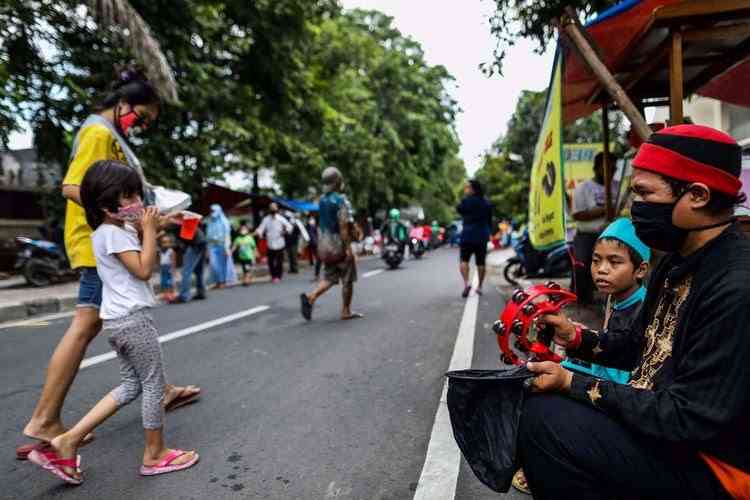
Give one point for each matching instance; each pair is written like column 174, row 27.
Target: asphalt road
column 291, row 410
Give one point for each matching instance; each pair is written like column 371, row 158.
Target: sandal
column 51, row 462
column 164, row 466
column 183, row 399
column 353, row 315
column 22, row 452
column 306, row 306
column 519, row 482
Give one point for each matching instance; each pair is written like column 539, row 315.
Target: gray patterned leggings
column 135, row 340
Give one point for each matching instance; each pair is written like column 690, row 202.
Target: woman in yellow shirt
column 131, row 106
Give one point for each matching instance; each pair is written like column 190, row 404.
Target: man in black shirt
column 678, row 429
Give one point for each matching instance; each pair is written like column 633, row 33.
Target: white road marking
column 101, row 358
column 370, row 274
column 36, row 319
column 441, row 466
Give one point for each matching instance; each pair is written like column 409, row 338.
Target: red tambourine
column 517, row 333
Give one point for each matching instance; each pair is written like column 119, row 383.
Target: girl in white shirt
column 111, row 193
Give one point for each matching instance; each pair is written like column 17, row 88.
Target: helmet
column 394, row 214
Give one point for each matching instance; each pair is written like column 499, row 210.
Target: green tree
column 385, row 117
column 533, row 20
column 290, row 85
column 506, row 168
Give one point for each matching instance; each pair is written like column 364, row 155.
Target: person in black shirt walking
column 677, row 429
column 477, row 220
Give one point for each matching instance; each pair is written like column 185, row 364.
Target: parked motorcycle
column 417, row 247
column 393, row 254
column 532, row 263
column 42, row 262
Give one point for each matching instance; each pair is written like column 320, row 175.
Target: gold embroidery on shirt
column 660, row 335
column 593, row 392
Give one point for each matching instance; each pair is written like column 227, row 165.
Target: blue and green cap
column 623, row 230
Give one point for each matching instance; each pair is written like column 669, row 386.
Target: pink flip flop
column 164, row 466
column 50, row 461
column 22, row 452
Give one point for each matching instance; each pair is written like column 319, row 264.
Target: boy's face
column 612, row 268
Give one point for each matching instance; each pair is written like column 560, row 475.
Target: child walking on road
column 167, row 265
column 111, row 193
column 245, row 243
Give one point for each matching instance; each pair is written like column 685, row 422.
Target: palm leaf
column 121, row 19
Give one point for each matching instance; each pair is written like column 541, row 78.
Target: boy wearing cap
column 677, row 428
column 618, row 267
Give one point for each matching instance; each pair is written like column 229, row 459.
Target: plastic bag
column 170, row 201
column 485, row 409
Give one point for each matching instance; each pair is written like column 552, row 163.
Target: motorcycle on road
column 393, row 254
column 42, row 262
column 532, row 263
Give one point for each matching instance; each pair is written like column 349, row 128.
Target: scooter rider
column 394, row 231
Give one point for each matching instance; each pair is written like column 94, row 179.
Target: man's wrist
column 576, row 337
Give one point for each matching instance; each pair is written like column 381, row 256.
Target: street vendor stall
column 637, row 54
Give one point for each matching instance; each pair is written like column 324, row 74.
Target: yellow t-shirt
column 95, row 143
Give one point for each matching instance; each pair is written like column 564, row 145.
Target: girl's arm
column 141, row 264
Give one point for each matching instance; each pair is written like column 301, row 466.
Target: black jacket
column 690, row 346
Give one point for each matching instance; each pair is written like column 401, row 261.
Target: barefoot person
column 676, row 429
column 132, row 105
column 112, row 194
column 334, row 246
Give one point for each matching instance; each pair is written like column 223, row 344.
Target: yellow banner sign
column 547, row 192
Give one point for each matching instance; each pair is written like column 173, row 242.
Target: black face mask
column 653, row 225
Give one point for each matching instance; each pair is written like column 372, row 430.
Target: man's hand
column 551, row 377
column 565, row 330
column 150, row 220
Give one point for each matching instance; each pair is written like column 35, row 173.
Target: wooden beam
column 717, row 33
column 609, row 209
column 675, row 80
column 572, row 29
column 696, row 8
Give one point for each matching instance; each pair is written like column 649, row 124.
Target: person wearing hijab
column 217, row 234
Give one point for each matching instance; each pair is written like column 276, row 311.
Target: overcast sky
column 457, row 35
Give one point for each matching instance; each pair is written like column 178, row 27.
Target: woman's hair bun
column 128, row 73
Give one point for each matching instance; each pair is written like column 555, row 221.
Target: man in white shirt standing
column 272, row 228
column 590, row 214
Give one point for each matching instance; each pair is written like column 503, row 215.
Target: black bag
column 485, row 409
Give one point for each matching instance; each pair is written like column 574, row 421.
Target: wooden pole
column 607, row 167
column 572, row 29
column 675, row 80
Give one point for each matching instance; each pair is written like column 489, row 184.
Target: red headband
column 667, row 162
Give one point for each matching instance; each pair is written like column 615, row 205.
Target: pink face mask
column 130, row 213
column 127, row 121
